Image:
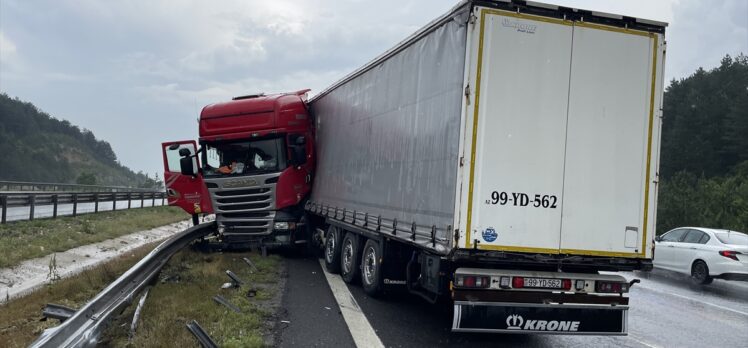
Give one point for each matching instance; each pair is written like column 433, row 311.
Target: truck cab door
column 185, row 191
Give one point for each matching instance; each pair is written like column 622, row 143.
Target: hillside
column 34, row 146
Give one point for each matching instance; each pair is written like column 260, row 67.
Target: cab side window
column 673, row 236
column 693, row 236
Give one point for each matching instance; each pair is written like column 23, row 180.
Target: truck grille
column 244, row 210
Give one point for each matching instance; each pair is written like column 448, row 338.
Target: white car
column 704, row 253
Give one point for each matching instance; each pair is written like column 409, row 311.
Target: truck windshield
column 244, row 157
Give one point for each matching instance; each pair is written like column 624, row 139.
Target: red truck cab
column 253, row 169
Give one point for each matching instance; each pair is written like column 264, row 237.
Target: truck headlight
column 283, row 225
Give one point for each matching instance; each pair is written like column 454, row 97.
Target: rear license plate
column 545, row 283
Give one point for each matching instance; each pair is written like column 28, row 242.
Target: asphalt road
column 666, row 311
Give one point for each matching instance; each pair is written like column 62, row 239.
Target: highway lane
column 667, row 310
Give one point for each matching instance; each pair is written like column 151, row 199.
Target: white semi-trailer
column 503, row 156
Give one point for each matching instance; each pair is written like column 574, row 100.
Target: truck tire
column 350, row 257
column 332, row 250
column 700, row 273
column 371, row 268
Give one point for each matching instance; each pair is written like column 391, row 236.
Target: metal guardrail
column 31, row 200
column 45, row 186
column 84, row 327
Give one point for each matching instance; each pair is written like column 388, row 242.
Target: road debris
column 221, row 300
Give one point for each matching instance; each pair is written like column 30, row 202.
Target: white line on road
column 694, row 300
column 637, row 340
column 360, row 328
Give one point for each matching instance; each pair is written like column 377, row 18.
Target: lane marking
column 694, row 300
column 359, row 327
column 637, row 340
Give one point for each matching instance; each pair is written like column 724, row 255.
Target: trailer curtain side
column 388, row 138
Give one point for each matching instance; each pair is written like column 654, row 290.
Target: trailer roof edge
column 534, row 7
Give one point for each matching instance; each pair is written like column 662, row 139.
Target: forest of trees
column 704, row 158
column 37, row 147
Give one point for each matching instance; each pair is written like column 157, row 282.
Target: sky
column 138, row 72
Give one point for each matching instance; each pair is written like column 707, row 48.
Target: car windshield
column 736, row 238
column 244, row 157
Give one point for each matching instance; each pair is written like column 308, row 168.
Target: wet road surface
column 666, row 310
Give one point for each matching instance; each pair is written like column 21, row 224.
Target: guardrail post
column 75, row 204
column 162, row 198
column 32, row 200
column 114, row 201
column 141, row 199
column 96, row 202
column 54, row 206
column 4, row 203
column 129, row 200
column 153, row 199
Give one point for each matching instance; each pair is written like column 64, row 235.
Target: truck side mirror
column 186, row 165
column 658, row 239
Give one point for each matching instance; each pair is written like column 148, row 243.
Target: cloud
column 704, row 32
column 7, row 47
column 138, row 72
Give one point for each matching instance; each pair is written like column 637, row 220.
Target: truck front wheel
column 332, row 250
column 371, row 268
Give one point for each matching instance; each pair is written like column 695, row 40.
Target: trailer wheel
column 350, row 257
column 371, row 268
column 332, row 250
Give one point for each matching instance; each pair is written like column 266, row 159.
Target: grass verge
column 184, row 292
column 21, row 320
column 25, row 240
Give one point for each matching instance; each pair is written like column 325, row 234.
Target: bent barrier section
column 84, row 327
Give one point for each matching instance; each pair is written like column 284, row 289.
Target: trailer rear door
column 561, row 150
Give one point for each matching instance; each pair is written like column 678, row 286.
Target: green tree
column 86, row 179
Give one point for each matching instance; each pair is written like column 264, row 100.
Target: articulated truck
column 504, row 157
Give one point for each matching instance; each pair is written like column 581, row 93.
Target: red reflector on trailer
column 566, row 284
column 611, row 287
column 469, row 282
column 518, row 282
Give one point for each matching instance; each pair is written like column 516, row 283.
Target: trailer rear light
column 611, row 287
column 566, row 284
column 504, row 282
column 471, row 281
column 518, row 282
column 579, row 284
column 730, row 254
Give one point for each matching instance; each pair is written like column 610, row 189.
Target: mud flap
column 571, row 319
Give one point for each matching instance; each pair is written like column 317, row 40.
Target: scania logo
column 239, row 183
column 514, row 322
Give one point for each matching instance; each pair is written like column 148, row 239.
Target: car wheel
column 349, row 258
column 371, row 268
column 332, row 250
column 700, row 273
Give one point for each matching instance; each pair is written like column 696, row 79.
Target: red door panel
column 185, row 191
